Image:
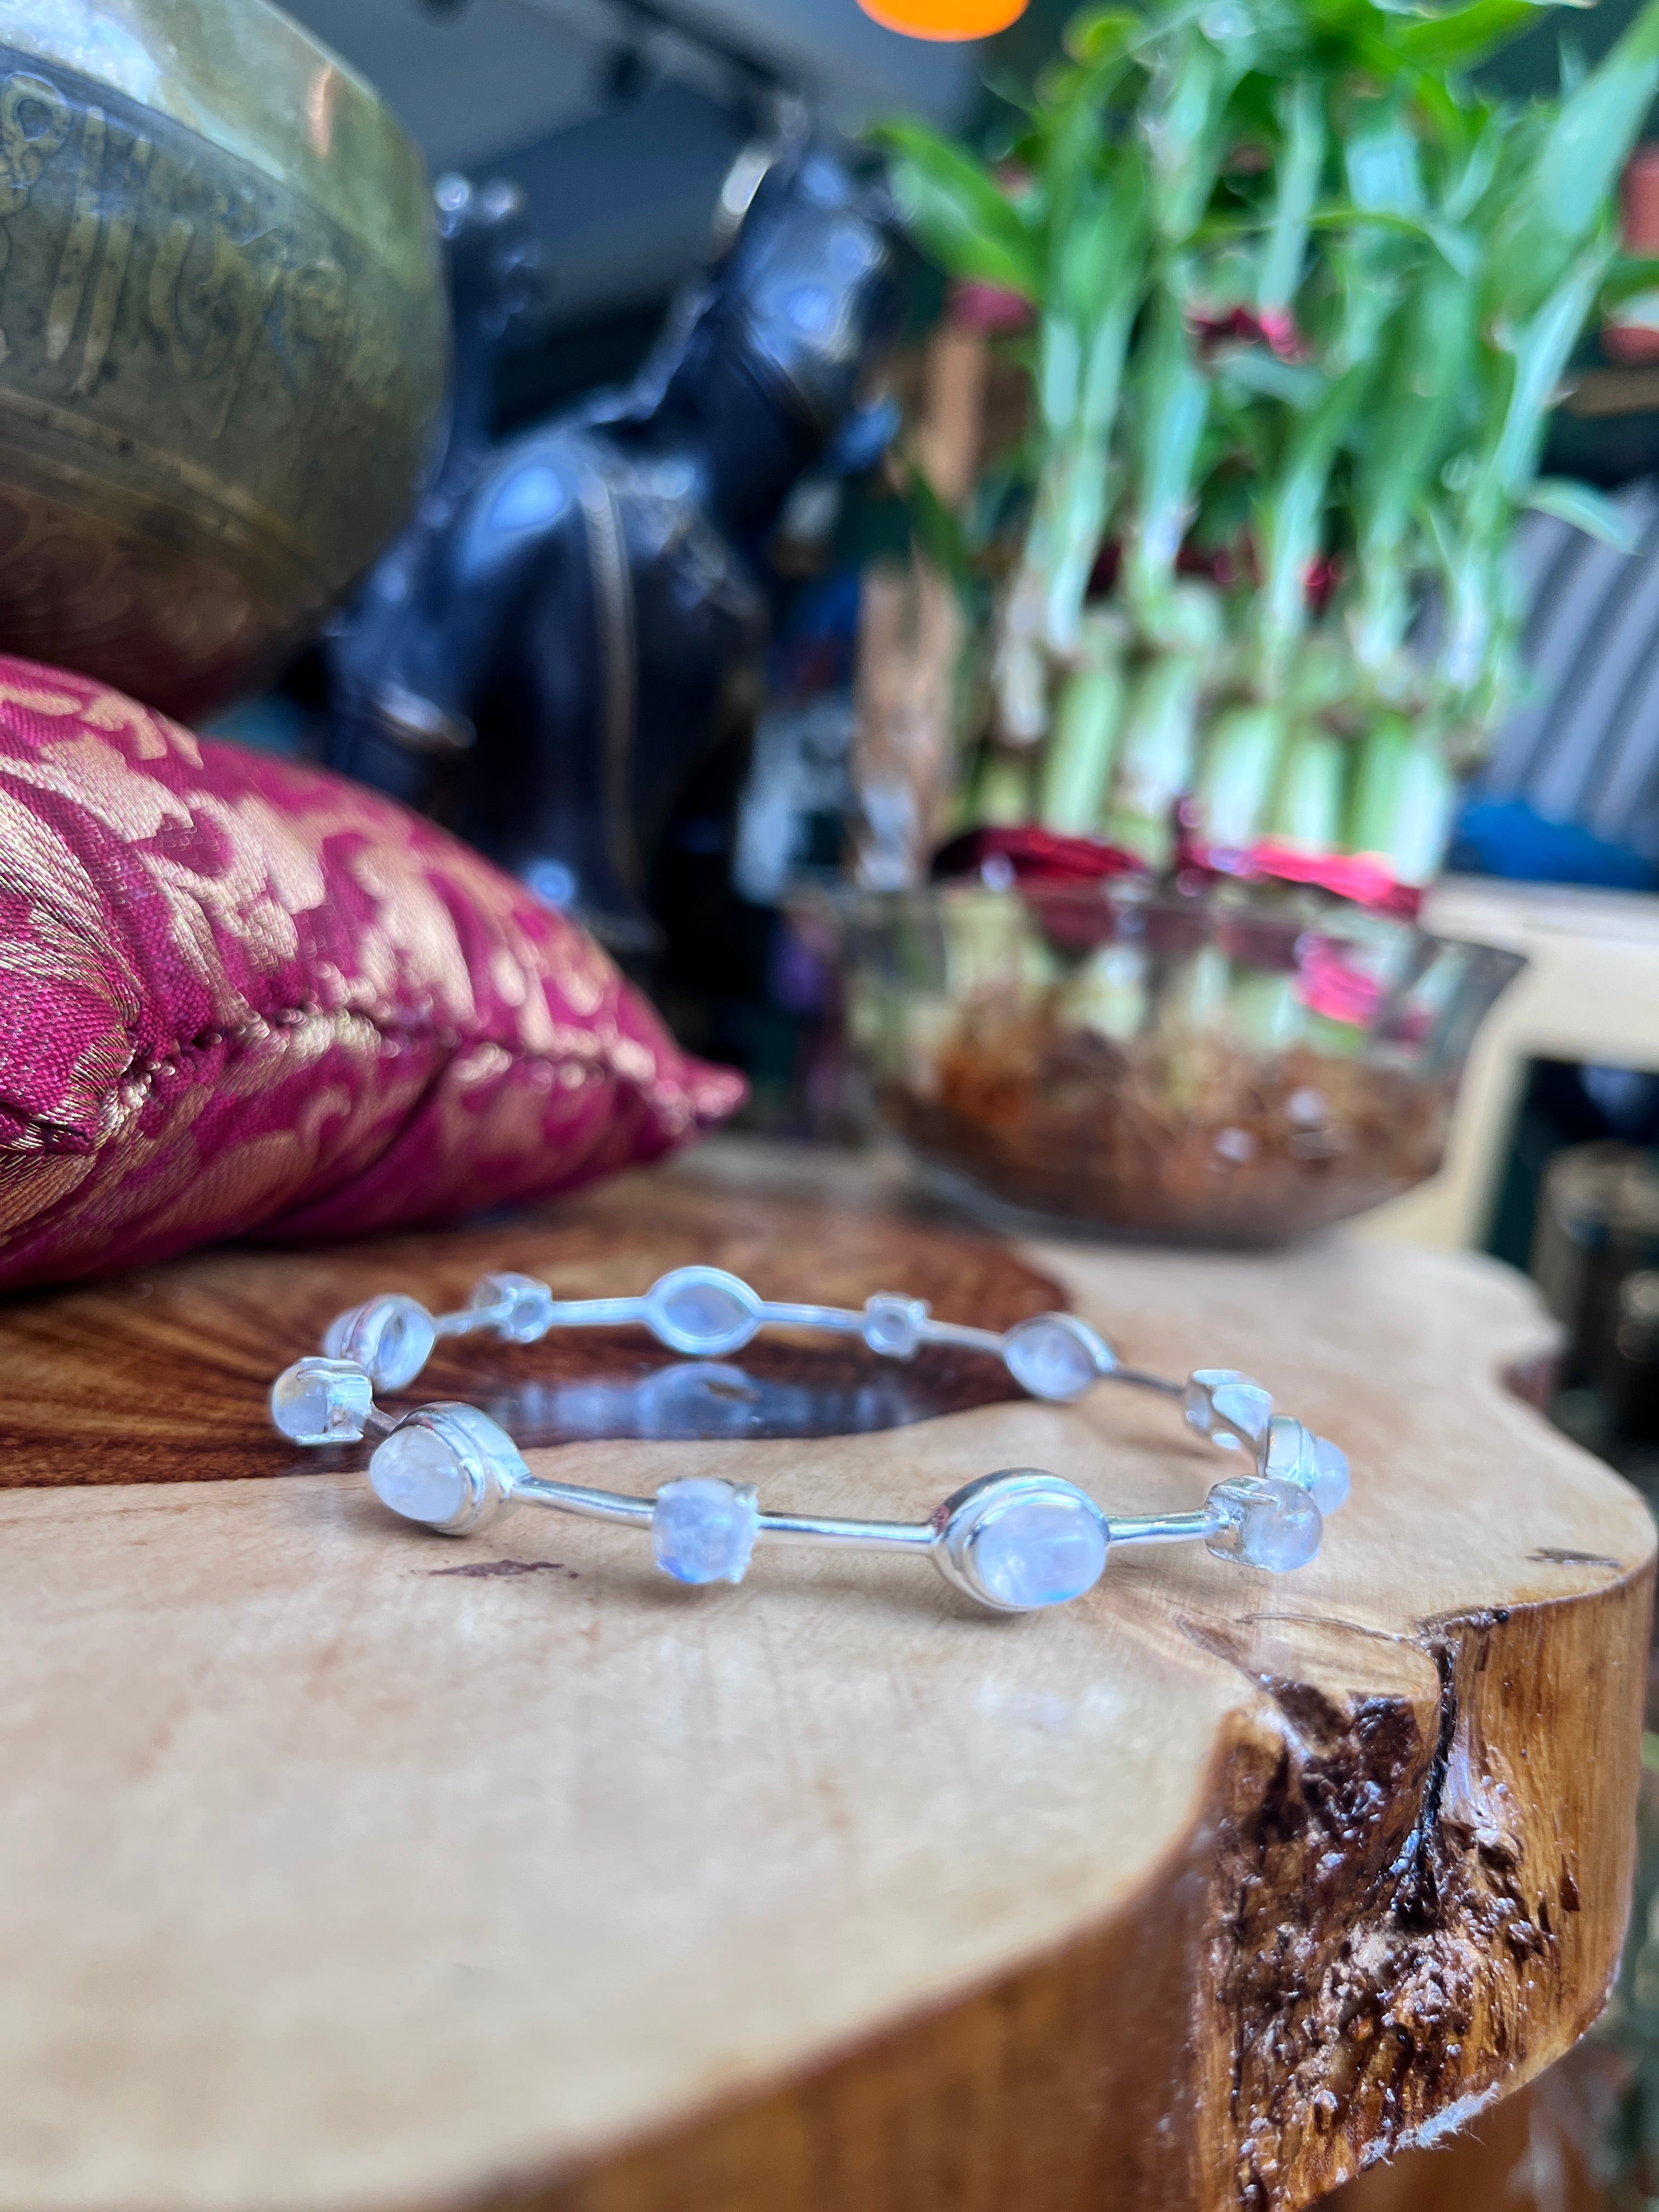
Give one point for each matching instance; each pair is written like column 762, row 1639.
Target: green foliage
column 1303, row 298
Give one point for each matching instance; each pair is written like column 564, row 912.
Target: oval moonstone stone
column 420, row 1475
column 1038, row 1548
column 1055, row 1356
column 702, row 1529
column 701, row 1310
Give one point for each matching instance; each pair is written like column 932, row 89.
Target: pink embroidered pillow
column 238, row 996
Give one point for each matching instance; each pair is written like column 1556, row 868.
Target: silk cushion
column 240, row 997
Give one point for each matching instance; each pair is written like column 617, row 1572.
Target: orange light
column 945, row 19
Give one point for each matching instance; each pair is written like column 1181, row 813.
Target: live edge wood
column 342, row 1869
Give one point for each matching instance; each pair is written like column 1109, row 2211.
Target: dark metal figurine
column 540, row 658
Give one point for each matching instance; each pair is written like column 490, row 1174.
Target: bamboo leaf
column 1541, row 350
column 1563, row 199
column 1454, row 246
column 1586, row 509
column 1100, row 36
column 1464, row 36
column 957, row 214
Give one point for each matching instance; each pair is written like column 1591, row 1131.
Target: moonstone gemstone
column 420, row 1475
column 702, row 1529
column 1286, row 1452
column 701, row 1310
column 1266, row 1524
column 1330, row 1486
column 391, row 1336
column 322, row 1402
column 448, row 1464
column 523, row 1306
column 1055, row 1356
column 1289, row 1453
column 1220, row 1403
column 1040, row 1547
column 892, row 1325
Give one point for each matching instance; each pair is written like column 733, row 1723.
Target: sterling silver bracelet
column 1015, row 1540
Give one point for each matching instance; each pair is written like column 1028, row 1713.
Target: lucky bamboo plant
column 1302, row 296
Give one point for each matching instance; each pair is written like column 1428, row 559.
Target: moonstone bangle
column 1015, row 1541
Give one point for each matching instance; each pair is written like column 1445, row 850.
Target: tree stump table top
column 345, row 1868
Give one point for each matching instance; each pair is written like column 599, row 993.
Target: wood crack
column 1393, row 1909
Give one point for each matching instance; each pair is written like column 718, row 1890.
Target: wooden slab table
column 342, row 1867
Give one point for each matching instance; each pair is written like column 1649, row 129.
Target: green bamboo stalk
column 1173, row 403
column 1155, row 758
column 1290, row 519
column 1238, row 763
column 1077, row 760
column 1400, row 448
column 1301, row 111
column 1433, row 305
column 1403, row 796
column 1379, row 774
column 1307, row 802
column 1004, row 797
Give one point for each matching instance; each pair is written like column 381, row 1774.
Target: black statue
column 541, row 657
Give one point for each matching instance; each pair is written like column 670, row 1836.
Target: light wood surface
column 345, row 1868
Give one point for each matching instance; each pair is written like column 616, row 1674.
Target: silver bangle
column 1015, row 1540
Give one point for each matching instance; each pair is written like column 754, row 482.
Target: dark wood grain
column 162, row 1376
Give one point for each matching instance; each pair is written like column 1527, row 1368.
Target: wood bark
column 345, row 1867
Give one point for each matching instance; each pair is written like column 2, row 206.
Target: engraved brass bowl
column 223, row 339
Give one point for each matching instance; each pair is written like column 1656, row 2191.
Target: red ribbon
column 1037, row 856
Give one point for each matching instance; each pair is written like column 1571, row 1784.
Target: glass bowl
column 1239, row 1065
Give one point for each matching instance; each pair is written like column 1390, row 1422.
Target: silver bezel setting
column 490, row 1463
column 702, row 1344
column 959, row 1521
column 1093, row 1346
column 349, row 1408
column 360, row 1333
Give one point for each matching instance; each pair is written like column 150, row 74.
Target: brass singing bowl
column 223, row 339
